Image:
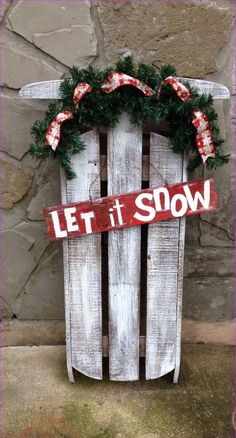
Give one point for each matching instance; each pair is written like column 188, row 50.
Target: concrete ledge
column 22, row 333
column 208, row 332
column 27, row 332
column 39, row 402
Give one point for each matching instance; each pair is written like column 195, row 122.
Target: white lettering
column 87, row 219
column 56, row 224
column 183, row 208
column 71, row 220
column 156, row 194
column 204, row 200
column 112, row 220
column 139, row 204
column 118, row 207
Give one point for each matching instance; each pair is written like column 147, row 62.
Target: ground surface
column 39, row 402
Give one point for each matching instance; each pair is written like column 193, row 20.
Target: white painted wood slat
column 82, row 267
column 51, row 89
column 179, row 292
column 67, row 291
column 124, row 248
column 162, row 267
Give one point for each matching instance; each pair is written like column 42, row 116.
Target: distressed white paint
column 105, row 346
column 42, row 90
column 180, row 285
column 83, row 269
column 51, row 89
column 67, row 293
column 124, row 249
column 162, row 267
column 82, row 257
column 218, row 91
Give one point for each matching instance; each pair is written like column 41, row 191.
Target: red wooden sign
column 130, row 209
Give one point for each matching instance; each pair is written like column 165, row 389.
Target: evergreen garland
column 100, row 109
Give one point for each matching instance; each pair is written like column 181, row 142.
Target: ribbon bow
column 115, row 80
column 204, row 138
column 182, row 92
column 80, row 90
column 53, row 133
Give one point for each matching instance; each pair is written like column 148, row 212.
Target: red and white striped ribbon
column 53, row 133
column 205, row 143
column 182, row 92
column 115, row 80
column 80, row 90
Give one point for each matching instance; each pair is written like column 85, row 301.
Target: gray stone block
column 23, row 246
column 18, row 117
column 208, row 298
column 47, row 192
column 18, row 263
column 214, row 236
column 4, row 8
column 44, row 293
column 209, row 262
column 74, row 46
column 161, row 33
column 23, row 64
column 12, row 217
column 36, row 232
column 65, row 30
column 16, row 182
column 192, row 234
column 47, row 16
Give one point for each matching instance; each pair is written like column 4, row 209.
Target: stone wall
column 41, row 40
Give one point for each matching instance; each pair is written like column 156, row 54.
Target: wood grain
column 145, row 168
column 67, row 292
column 82, row 267
column 124, row 247
column 162, row 268
column 42, row 90
column 218, row 91
column 180, row 278
column 51, row 89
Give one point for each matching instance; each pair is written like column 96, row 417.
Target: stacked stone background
column 40, row 41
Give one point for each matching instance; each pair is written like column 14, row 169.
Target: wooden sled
column 152, row 258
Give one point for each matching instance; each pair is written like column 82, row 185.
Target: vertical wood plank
column 82, row 267
column 124, row 247
column 162, row 268
column 66, row 292
column 180, row 285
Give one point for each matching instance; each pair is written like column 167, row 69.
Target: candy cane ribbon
column 182, row 92
column 80, row 90
column 204, row 139
column 115, row 80
column 53, row 133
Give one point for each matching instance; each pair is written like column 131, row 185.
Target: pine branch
column 100, row 109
